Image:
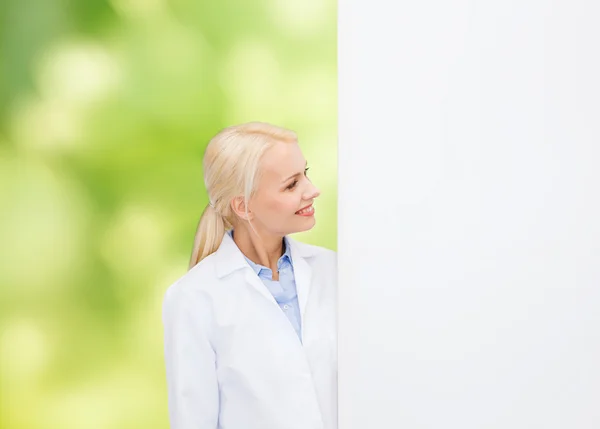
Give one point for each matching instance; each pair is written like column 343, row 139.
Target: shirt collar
column 228, row 257
column 286, row 258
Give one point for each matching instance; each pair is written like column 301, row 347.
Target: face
column 282, row 203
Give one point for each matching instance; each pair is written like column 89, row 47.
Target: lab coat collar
column 229, row 258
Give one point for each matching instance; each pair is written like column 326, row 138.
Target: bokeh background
column 105, row 110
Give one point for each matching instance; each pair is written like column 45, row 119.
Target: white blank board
column 469, row 214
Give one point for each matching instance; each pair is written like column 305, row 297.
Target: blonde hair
column 231, row 168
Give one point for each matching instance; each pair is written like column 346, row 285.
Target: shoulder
column 322, row 263
column 193, row 288
column 316, row 254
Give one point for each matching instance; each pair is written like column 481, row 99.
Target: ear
column 238, row 206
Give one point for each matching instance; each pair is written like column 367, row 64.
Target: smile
column 306, row 211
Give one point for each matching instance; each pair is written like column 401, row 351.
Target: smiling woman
column 246, row 344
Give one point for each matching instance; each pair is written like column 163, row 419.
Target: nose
column 311, row 192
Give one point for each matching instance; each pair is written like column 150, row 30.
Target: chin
column 297, row 225
column 306, row 226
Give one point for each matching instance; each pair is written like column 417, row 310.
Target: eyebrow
column 294, row 175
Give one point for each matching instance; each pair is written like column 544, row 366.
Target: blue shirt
column 284, row 289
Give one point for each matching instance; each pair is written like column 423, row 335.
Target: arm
column 190, row 362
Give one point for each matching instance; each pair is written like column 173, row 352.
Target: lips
column 306, row 211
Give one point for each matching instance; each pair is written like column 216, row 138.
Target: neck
column 264, row 249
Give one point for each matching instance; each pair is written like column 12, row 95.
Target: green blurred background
column 105, row 110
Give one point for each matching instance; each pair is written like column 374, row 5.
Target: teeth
column 306, row 210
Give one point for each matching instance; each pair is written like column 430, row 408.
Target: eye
column 292, row 185
column 306, row 171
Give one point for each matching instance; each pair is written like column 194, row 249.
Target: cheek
column 283, row 205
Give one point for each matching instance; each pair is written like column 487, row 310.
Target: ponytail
column 209, row 234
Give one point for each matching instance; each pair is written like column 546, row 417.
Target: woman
column 250, row 329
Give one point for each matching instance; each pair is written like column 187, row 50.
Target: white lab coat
column 233, row 359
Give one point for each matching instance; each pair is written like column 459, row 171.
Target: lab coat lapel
column 229, row 258
column 302, row 275
column 255, row 282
